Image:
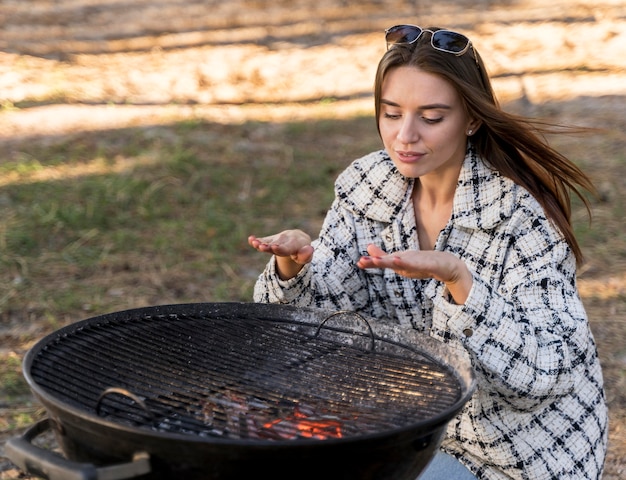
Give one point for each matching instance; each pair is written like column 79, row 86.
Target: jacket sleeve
column 526, row 329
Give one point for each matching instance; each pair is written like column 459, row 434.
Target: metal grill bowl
column 235, row 390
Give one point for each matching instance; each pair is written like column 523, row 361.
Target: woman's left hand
column 442, row 266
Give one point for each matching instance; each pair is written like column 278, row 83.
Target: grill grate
column 242, row 377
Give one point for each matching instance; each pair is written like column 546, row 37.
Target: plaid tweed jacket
column 539, row 411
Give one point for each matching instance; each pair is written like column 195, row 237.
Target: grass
column 13, row 384
column 170, row 206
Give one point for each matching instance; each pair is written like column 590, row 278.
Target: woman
column 461, row 228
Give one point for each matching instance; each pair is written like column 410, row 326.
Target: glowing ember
column 301, row 425
column 238, row 416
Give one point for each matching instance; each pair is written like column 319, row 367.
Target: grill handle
column 126, row 393
column 49, row 465
column 354, row 314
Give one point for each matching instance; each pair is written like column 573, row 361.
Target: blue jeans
column 445, row 467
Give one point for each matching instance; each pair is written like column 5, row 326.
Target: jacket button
column 468, row 332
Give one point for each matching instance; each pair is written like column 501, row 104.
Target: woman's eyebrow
column 432, row 106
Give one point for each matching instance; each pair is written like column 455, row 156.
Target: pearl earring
column 470, row 131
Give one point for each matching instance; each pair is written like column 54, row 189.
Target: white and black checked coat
column 539, row 411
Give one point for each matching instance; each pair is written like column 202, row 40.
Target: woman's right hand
column 292, row 249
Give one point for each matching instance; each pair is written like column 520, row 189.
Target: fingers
column 269, row 244
column 373, row 259
column 375, row 251
column 442, row 266
column 260, row 244
column 290, row 243
column 413, row 264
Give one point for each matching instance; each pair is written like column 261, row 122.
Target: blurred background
column 175, row 58
column 142, row 141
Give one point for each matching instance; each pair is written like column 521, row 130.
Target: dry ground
column 71, row 65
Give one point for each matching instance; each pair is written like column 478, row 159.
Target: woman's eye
column 432, row 120
column 392, row 116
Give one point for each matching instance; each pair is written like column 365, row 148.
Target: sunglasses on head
column 442, row 40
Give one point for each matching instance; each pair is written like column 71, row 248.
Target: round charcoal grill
column 235, row 390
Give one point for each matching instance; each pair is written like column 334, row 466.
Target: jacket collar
column 483, row 197
column 376, row 190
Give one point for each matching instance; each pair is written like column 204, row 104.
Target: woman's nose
column 408, row 133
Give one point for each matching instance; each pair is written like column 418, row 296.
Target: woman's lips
column 409, row 157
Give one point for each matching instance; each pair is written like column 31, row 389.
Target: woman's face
column 422, row 123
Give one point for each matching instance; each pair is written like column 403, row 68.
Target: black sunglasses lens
column 449, row 41
column 402, row 34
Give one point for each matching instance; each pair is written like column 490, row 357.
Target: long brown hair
column 511, row 144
